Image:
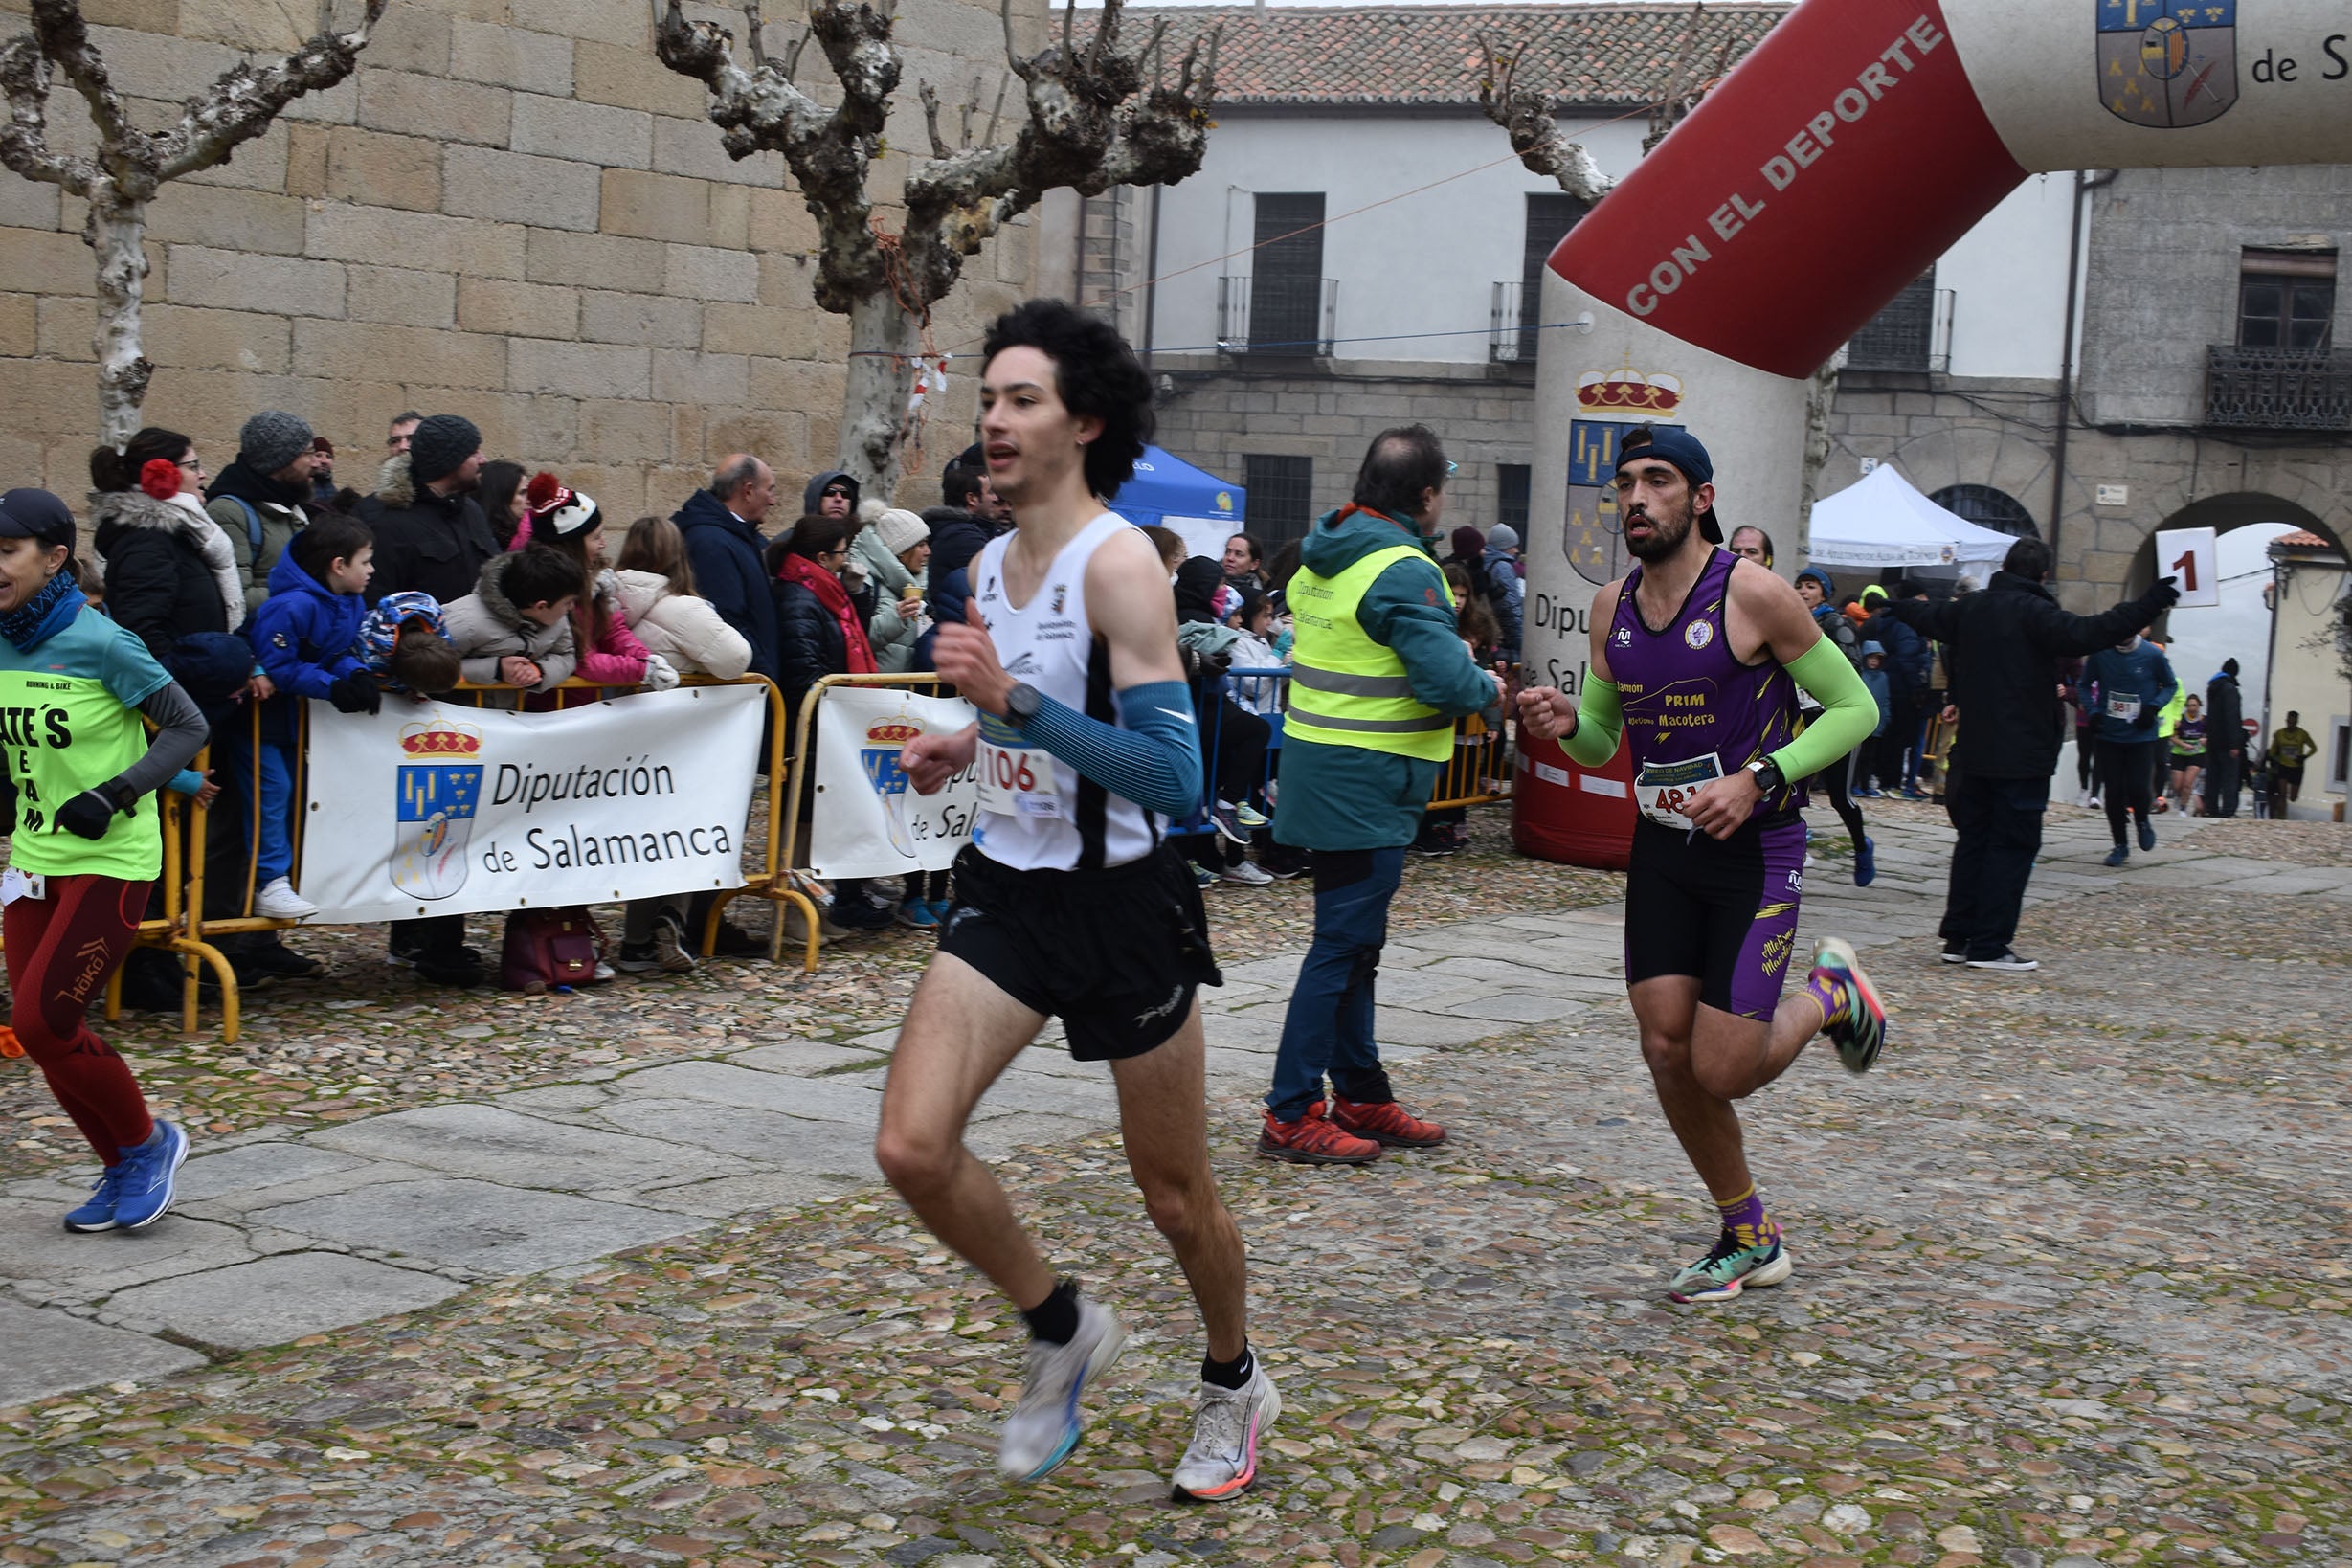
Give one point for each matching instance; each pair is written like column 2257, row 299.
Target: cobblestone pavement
column 2068, row 1289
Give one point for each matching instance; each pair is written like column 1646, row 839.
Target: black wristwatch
column 1768, row 776
column 1020, row 704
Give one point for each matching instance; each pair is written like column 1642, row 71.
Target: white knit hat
column 900, row 531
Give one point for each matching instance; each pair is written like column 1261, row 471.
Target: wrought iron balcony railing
column 2278, row 388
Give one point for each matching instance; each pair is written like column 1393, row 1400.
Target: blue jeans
column 1329, row 1026
column 274, row 854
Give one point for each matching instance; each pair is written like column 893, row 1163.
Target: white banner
column 434, row 809
column 867, row 822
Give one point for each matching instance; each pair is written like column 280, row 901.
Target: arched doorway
column 1989, row 508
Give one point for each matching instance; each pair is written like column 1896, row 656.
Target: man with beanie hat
column 1506, row 589
column 430, row 537
column 259, row 499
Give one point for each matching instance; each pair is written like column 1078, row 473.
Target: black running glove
column 88, row 815
column 355, row 693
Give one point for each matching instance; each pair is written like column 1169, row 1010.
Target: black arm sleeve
column 180, row 733
column 2065, row 633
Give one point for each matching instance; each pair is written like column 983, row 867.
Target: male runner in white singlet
column 1069, row 901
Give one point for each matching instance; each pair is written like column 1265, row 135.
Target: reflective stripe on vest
column 1345, row 688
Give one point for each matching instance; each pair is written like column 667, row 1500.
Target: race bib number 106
column 1019, row 781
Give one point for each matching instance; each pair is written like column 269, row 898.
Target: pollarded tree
column 131, row 165
column 1091, row 125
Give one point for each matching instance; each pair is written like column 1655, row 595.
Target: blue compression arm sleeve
column 1151, row 756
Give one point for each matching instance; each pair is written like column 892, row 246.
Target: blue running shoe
column 1866, row 863
column 2118, row 856
column 149, row 1177
column 98, row 1214
column 1729, row 1269
column 1862, row 1032
column 2147, row 835
column 916, row 914
column 939, row 907
column 1044, row 1425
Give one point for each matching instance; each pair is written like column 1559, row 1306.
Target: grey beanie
column 439, row 446
column 271, row 439
column 1502, row 536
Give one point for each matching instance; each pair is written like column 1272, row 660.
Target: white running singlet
column 1035, row 812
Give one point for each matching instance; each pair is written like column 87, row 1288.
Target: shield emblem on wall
column 2167, row 65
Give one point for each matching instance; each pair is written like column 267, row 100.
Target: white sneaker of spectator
column 278, row 901
column 1247, row 873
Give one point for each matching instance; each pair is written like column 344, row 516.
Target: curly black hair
column 1096, row 375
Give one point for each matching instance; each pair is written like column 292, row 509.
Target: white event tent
column 1883, row 522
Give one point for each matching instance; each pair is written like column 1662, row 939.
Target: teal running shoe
column 1729, row 1269
column 1863, row 1031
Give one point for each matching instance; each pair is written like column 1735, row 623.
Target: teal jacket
column 1346, row 797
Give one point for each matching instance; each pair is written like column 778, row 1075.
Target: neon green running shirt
column 69, row 722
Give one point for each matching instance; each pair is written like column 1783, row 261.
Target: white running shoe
column 278, row 901
column 1247, row 873
column 1044, row 1425
column 1227, row 1428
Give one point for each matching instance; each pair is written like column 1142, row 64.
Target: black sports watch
column 1020, row 704
column 1768, row 776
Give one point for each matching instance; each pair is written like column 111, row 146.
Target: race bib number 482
column 1662, row 788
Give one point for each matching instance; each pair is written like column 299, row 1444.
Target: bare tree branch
column 931, row 121
column 1527, row 115
column 754, row 33
column 24, row 143
column 244, row 100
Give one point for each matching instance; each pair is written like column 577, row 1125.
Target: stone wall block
column 657, row 207
column 765, row 432
column 67, row 325
column 781, row 222
column 617, row 432
column 597, row 133
column 629, row 77
column 631, row 27
column 797, row 384
column 343, row 231
column 705, row 271
column 579, row 369
column 234, row 281
column 686, row 375
column 403, row 296
column 527, row 310
column 19, row 320
column 510, row 57
column 27, row 204
column 554, row 192
column 39, row 261
column 691, row 146
column 307, row 153
column 608, row 261
column 383, row 171
column 409, row 37
column 434, row 107
column 649, row 319
column 364, row 350
column 178, row 337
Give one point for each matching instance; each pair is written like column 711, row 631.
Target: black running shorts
column 1115, row 954
column 1721, row 910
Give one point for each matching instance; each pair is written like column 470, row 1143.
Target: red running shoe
column 1312, row 1140
column 1386, row 1122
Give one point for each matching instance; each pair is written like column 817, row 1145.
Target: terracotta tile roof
column 2300, row 539
column 1598, row 56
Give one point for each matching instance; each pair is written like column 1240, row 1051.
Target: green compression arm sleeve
column 1601, row 724
column 1849, row 713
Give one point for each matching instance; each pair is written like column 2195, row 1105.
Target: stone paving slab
column 500, row 1145
column 478, row 1226
column 50, row 1352
column 281, row 1298
column 34, row 1247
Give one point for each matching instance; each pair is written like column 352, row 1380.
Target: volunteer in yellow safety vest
column 1379, row 672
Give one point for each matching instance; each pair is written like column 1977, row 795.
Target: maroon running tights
column 60, row 950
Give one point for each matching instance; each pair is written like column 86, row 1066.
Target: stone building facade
column 513, row 212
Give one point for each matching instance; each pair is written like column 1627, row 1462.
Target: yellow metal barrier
column 183, row 928
column 786, row 881
column 1479, row 772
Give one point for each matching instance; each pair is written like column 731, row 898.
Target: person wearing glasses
column 259, row 500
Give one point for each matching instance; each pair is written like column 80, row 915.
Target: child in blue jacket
column 306, row 636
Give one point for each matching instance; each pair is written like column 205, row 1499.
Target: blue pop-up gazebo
column 1171, row 492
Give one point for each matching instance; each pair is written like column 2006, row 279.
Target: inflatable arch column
column 1841, row 157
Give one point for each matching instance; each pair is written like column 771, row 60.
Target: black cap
column 1711, row 526
column 36, row 514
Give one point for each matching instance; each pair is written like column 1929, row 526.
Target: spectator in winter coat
column 1910, row 661
column 1505, row 589
column 958, row 530
column 307, row 637
column 171, row 571
column 721, row 529
column 1245, row 563
column 259, row 500
column 607, row 653
column 895, row 546
column 404, row 644
column 818, row 633
column 2225, row 741
column 431, row 536
column 657, row 596
column 2007, row 642
column 1873, row 673
column 515, row 627
column 831, row 492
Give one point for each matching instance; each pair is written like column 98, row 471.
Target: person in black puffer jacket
column 819, row 633
column 2009, row 640
column 431, row 536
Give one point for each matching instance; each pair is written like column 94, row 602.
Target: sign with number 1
column 2188, row 556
